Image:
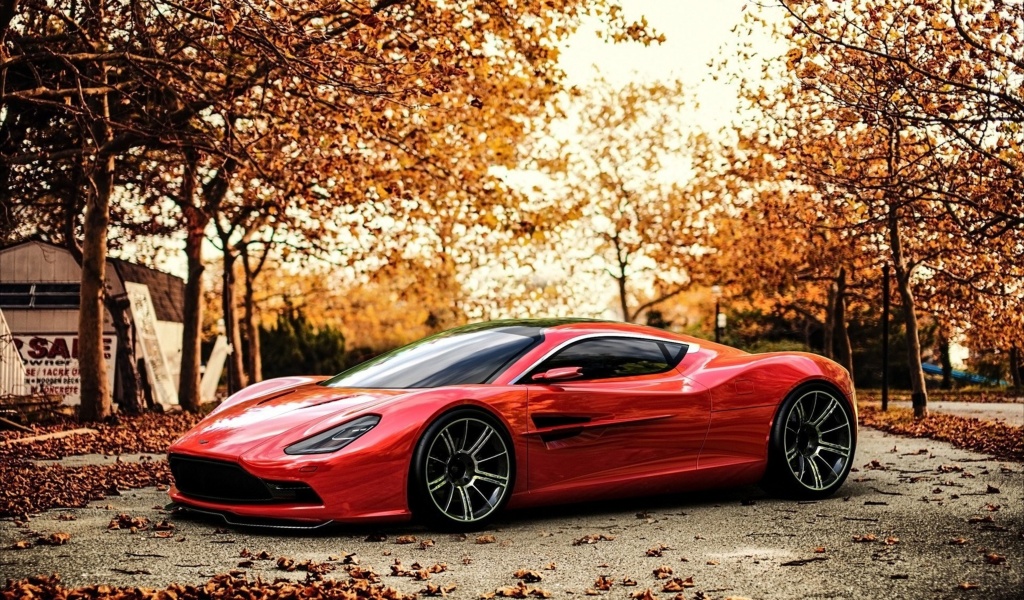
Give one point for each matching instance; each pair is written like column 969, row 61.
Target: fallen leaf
column 657, row 550
column 819, row 550
column 426, row 544
column 891, row 541
column 21, row 545
column 994, row 559
column 485, row 539
column 967, row 585
column 663, row 572
column 678, row 584
column 960, row 541
column 647, row 594
column 405, row 539
column 55, row 539
column 286, row 564
column 593, row 539
column 868, row 537
column 527, row 576
column 604, row 583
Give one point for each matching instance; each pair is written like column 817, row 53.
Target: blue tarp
column 958, row 375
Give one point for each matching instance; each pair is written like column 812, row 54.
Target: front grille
column 222, row 481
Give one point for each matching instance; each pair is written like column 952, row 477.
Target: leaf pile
column 978, row 396
column 150, row 432
column 28, row 488
column 417, row 571
column 1003, row 441
column 220, row 587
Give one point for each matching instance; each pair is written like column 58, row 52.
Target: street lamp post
column 716, row 291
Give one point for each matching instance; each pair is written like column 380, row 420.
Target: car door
column 628, row 414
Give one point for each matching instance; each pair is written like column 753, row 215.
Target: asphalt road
column 1012, row 413
column 919, row 495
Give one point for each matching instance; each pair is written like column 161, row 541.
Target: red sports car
column 455, row 427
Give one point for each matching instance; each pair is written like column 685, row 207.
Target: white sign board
column 214, row 368
column 157, row 370
column 12, row 370
column 51, row 363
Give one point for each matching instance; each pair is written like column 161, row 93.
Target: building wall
column 36, row 262
column 12, row 371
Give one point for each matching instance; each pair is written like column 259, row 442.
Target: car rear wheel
column 463, row 470
column 813, row 441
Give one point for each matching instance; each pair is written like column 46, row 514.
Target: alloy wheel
column 818, row 440
column 468, row 469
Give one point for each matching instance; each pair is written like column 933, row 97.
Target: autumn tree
column 623, row 171
column 104, row 81
column 895, row 127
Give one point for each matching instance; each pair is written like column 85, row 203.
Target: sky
column 694, row 32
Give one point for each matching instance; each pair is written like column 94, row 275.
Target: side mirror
column 559, row 374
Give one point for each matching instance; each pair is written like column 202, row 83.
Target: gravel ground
column 735, row 543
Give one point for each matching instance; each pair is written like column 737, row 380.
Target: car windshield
column 457, row 357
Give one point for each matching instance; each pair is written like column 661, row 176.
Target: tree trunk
column 623, row 299
column 236, row 366
column 919, row 394
column 95, row 391
column 92, row 365
column 845, row 354
column 1015, row 369
column 947, row 364
column 196, row 221
column 904, row 271
column 829, row 343
column 254, row 363
column 131, row 399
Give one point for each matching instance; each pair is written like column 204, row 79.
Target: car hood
column 287, row 415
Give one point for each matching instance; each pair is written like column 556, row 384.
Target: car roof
column 570, row 326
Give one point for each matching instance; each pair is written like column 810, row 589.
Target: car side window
column 611, row 357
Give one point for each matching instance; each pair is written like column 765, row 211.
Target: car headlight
column 335, row 438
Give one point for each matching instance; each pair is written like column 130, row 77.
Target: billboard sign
column 51, row 363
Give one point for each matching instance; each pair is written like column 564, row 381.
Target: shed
column 40, row 285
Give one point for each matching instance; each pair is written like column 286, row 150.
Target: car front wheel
column 463, row 470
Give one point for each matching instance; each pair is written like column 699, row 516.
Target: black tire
column 812, row 446
column 463, row 470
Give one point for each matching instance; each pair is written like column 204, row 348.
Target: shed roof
column 168, row 291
